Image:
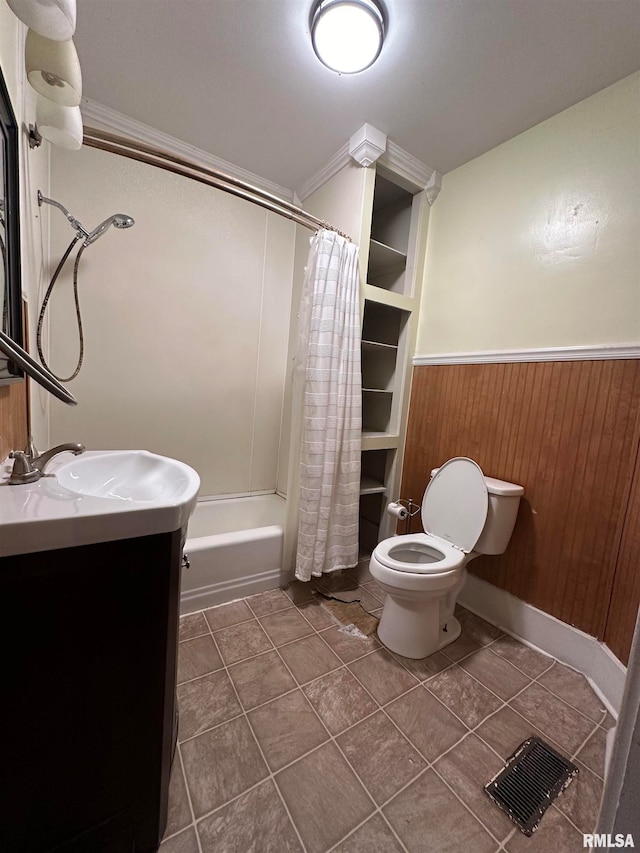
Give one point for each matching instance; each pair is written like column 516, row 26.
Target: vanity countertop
column 135, row 500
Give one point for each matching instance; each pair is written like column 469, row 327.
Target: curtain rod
column 143, row 153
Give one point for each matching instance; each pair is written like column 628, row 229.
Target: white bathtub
column 235, row 549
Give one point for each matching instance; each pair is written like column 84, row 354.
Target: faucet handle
column 23, row 471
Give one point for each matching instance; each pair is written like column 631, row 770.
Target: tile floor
column 295, row 736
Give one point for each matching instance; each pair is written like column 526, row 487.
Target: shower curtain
column 324, row 479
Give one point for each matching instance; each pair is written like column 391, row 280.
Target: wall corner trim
column 543, row 631
column 578, row 353
column 106, row 118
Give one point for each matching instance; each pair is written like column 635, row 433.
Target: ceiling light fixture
column 53, row 19
column 53, row 69
column 59, row 125
column 347, row 35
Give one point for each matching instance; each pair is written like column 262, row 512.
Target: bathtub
column 234, row 547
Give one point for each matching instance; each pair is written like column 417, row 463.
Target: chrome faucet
column 28, row 464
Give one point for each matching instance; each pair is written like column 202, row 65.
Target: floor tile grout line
column 270, row 612
column 554, row 661
column 523, row 671
column 584, row 743
column 333, row 739
column 381, row 707
column 419, row 682
column 188, row 793
column 261, row 781
column 532, row 681
column 429, row 764
column 467, row 807
column 526, row 720
column 565, row 816
column 245, row 713
column 474, row 730
column 298, row 686
column 266, row 763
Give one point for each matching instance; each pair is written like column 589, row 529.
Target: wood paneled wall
column 625, row 595
column 13, row 417
column 568, row 433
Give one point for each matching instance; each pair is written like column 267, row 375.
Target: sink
column 100, row 496
column 126, row 475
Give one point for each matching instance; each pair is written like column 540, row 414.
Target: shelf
column 377, row 391
column 383, row 323
column 380, row 296
column 376, row 346
column 377, row 440
column 369, row 486
column 383, row 259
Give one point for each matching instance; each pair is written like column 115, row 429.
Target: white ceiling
column 239, row 79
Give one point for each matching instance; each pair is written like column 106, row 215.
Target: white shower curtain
column 327, row 389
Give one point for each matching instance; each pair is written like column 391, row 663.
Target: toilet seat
column 454, row 512
column 422, row 544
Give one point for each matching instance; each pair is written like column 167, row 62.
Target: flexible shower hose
column 45, row 302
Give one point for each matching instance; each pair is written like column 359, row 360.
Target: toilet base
column 414, row 629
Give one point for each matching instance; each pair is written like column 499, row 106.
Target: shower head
column 120, row 220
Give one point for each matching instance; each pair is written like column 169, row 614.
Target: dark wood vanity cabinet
column 88, row 645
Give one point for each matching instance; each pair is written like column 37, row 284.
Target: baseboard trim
column 219, row 593
column 605, row 672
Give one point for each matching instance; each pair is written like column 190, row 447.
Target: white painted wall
column 536, row 243
column 186, row 319
column 34, row 174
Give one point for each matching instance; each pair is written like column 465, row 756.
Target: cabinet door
column 86, row 639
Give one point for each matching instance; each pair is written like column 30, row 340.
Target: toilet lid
column 456, row 502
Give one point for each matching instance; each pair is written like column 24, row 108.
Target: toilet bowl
column 464, row 514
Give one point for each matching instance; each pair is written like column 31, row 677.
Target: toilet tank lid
column 496, row 487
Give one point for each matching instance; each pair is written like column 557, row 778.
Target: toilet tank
column 504, row 500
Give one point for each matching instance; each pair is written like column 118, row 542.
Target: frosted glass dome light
column 53, row 19
column 347, row 35
column 53, row 69
column 59, row 125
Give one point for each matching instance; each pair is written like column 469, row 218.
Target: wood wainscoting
column 13, row 417
column 567, row 431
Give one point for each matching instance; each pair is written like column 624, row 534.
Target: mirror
column 13, row 357
column 10, row 287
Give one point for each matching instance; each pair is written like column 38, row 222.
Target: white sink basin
column 99, row 496
column 126, row 475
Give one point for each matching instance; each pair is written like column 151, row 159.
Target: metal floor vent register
column 529, row 782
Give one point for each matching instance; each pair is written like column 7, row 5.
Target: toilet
column 464, row 514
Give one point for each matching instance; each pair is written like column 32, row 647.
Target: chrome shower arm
column 82, row 231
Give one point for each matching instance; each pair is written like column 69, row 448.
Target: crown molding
column 367, row 145
column 105, row 118
column 591, row 353
column 403, row 164
column 395, row 159
column 339, row 160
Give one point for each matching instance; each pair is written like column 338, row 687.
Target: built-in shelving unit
column 384, row 207
column 390, row 304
